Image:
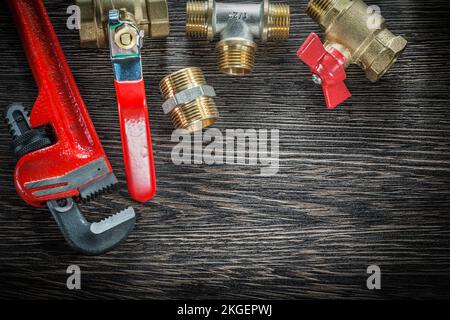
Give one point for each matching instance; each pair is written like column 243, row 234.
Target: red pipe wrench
column 126, row 41
column 60, row 155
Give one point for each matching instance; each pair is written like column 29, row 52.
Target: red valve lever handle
column 328, row 65
column 60, row 107
column 136, row 139
column 133, row 109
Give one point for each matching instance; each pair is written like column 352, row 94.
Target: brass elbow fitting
column 239, row 25
column 352, row 28
column 189, row 100
column 149, row 15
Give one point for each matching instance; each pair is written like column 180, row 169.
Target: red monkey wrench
column 60, row 155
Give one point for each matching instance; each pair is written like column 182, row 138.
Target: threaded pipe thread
column 318, row 8
column 195, row 115
column 197, row 19
column 279, row 21
column 236, row 57
column 181, row 80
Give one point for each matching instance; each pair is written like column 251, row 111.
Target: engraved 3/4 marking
column 238, row 15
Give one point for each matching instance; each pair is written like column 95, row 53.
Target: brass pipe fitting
column 189, row 100
column 149, row 15
column 239, row 25
column 351, row 28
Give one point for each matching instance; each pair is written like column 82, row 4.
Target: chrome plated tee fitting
column 239, row 25
column 151, row 16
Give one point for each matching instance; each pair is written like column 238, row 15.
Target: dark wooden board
column 366, row 184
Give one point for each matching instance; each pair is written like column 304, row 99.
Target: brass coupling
column 151, row 16
column 239, row 25
column 189, row 100
column 359, row 33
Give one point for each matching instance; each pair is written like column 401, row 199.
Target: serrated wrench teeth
column 101, row 186
column 113, row 221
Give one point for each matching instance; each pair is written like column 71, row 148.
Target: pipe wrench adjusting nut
column 189, row 100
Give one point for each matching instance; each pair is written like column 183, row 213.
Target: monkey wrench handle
column 125, row 45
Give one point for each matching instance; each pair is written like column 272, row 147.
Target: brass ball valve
column 151, row 16
column 239, row 25
column 354, row 34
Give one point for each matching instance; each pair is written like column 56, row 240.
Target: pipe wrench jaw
column 91, row 238
column 87, row 182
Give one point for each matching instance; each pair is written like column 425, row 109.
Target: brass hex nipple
column 189, row 100
column 359, row 33
column 238, row 25
column 149, row 15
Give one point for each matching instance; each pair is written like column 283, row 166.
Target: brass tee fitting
column 189, row 100
column 359, row 33
column 238, row 25
column 149, row 15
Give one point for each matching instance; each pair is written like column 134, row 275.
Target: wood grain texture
column 367, row 184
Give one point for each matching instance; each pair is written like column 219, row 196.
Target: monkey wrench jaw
column 89, row 181
column 91, row 238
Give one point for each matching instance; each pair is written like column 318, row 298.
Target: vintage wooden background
column 366, row 184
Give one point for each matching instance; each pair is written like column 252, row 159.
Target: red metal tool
column 60, row 154
column 328, row 67
column 133, row 110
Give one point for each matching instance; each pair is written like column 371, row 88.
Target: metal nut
column 158, row 15
column 126, row 37
column 187, row 96
column 385, row 58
